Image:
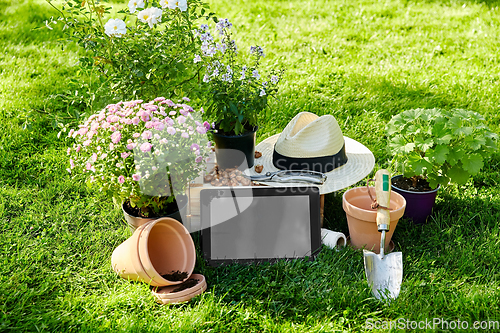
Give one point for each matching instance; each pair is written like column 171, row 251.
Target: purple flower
column 147, row 135
column 170, row 103
column 125, row 155
column 78, row 148
column 82, row 131
column 136, row 120
column 198, row 159
column 136, row 177
column 171, row 130
column 159, row 99
column 195, row 146
column 209, row 144
column 262, row 93
column 149, row 124
column 255, row 74
column 121, row 179
column 185, row 135
column 116, row 137
column 197, row 58
column 274, row 79
column 201, row 130
column 181, row 120
column 71, row 163
column 159, row 126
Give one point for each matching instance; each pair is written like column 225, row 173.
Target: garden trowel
column 383, row 272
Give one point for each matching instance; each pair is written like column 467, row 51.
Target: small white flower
column 206, row 78
column 181, row 4
column 163, row 3
column 151, row 16
column 115, row 27
column 274, row 79
column 134, row 4
column 197, row 58
column 262, row 93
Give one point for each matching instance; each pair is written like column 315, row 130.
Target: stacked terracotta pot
column 162, row 254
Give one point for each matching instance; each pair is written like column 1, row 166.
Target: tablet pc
column 259, row 224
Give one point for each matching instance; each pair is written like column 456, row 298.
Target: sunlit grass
column 362, row 61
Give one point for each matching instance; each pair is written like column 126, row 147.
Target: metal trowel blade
column 384, row 275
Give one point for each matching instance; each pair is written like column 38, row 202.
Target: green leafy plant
column 442, row 146
column 237, row 91
column 146, row 52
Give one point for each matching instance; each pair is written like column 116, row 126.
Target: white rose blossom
column 115, row 27
column 151, row 16
column 181, row 4
column 134, row 4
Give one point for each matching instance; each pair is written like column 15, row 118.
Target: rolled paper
column 332, row 239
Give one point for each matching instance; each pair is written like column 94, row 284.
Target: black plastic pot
column 418, row 204
column 232, row 150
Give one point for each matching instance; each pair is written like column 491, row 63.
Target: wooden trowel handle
column 383, row 193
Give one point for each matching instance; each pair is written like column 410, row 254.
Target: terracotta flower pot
column 159, row 247
column 135, row 221
column 361, row 218
column 168, row 295
column 418, row 204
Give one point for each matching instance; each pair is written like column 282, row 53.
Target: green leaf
column 428, row 115
column 472, row 163
column 457, row 174
column 475, row 142
column 438, row 154
column 238, row 128
column 419, row 164
column 411, row 115
column 444, row 140
column 454, row 123
column 454, row 156
column 464, row 130
column 399, row 145
column 233, row 108
column 422, row 144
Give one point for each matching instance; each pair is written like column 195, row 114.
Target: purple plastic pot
column 418, row 204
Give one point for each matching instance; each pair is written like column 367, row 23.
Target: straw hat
column 316, row 143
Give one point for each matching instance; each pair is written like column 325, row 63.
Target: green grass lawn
column 361, row 61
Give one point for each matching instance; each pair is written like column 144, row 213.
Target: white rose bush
column 141, row 154
column 143, row 51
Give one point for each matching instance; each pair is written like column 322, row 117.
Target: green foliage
column 443, row 146
column 237, row 93
column 149, row 59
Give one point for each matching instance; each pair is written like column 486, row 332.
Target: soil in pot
column 414, row 184
column 175, row 276
column 136, row 211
